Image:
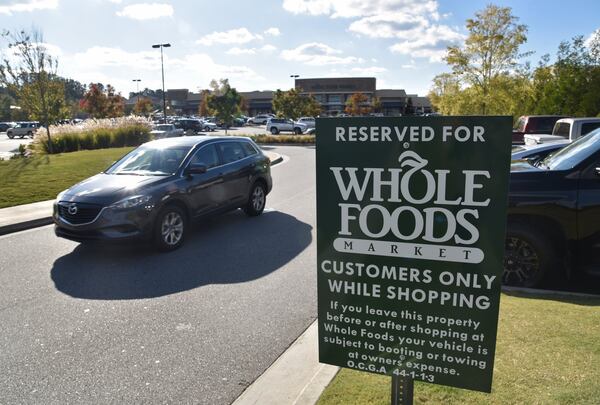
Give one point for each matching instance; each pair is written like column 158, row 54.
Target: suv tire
column 530, row 256
column 274, row 130
column 297, row 131
column 170, row 228
column 256, row 200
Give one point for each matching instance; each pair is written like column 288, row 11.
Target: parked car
column 156, row 190
column 566, row 128
column 5, row 126
column 166, row 131
column 554, row 215
column 308, row 121
column 208, row 126
column 277, row 125
column 23, row 129
column 533, row 124
column 260, row 119
column 536, row 152
column 189, row 125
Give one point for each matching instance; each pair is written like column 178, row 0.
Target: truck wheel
column 529, row 256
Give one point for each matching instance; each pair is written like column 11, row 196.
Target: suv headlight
column 131, row 202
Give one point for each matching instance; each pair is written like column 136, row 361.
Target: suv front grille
column 78, row 213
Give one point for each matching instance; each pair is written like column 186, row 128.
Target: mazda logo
column 72, row 209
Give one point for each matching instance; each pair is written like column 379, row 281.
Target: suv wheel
column 297, row 131
column 256, row 201
column 10, row 135
column 170, row 228
column 274, row 130
column 529, row 257
column 30, row 134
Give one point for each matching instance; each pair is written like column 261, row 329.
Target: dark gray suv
column 157, row 189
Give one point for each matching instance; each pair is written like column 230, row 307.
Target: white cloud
column 251, row 51
column 117, row 66
column 234, row 36
column 391, row 25
column 27, row 6
column 431, row 43
column 360, row 8
column 146, row 11
column 273, row 31
column 316, row 53
column 414, row 22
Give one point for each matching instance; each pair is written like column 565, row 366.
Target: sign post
column 411, row 219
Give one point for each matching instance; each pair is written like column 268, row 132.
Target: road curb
column 23, row 226
column 296, row 377
column 534, row 292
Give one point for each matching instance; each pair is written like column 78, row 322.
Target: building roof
column 390, row 93
column 257, row 94
column 177, row 94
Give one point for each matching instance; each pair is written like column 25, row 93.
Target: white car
column 208, row 126
column 277, row 125
column 308, row 121
column 165, row 131
column 260, row 119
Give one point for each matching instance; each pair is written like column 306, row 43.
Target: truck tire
column 530, row 256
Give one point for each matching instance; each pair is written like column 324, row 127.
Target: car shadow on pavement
column 231, row 248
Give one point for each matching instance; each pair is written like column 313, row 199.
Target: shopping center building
column 331, row 93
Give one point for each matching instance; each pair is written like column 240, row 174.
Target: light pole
column 294, row 77
column 162, row 68
column 137, row 86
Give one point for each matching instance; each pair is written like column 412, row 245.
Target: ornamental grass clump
column 95, row 134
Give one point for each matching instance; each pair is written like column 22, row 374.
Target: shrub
column 300, row 139
column 95, row 134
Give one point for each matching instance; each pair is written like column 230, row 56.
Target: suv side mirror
column 197, row 168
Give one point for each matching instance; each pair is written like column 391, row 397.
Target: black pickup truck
column 554, row 215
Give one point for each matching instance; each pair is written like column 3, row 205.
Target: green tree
column 292, row 104
column 490, row 50
column 358, row 104
column 572, row 85
column 30, row 72
column 224, row 100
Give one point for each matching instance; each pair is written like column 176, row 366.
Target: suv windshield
column 569, row 156
column 149, row 161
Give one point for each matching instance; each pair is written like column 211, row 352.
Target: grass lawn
column 548, row 352
column 40, row 178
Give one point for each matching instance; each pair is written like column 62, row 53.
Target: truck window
column 544, row 125
column 589, row 127
column 562, row 129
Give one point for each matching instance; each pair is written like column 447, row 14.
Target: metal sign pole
column 402, row 390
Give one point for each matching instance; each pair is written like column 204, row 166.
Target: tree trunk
column 50, row 151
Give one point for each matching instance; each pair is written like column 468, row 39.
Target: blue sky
column 259, row 44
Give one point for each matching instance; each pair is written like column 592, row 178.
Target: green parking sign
column 411, row 218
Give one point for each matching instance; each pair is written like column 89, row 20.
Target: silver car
column 277, row 125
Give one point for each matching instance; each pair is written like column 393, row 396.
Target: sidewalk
column 296, row 377
column 27, row 216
